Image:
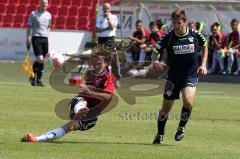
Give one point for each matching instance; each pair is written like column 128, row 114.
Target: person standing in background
column 38, row 29
column 106, row 26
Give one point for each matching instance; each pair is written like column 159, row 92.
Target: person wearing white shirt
column 38, row 30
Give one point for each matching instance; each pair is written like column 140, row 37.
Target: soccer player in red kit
column 85, row 108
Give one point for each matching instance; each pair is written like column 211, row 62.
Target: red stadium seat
column 77, row 3
column 84, row 12
column 31, row 8
column 1, row 20
column 22, row 9
column 72, row 23
column 92, row 13
column 24, row 2
column 66, row 3
column 63, row 11
column 92, row 23
column 8, row 21
column 87, row 3
column 25, row 19
column 34, row 2
column 5, row 2
column 18, row 21
column 11, row 9
column 60, row 23
column 53, row 25
column 83, row 23
column 53, row 10
column 2, row 8
column 15, row 2
column 55, row 2
column 73, row 11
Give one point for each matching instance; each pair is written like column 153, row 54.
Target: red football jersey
column 154, row 37
column 218, row 38
column 234, row 37
column 141, row 34
column 102, row 80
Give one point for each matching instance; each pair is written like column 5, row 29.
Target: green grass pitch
column 126, row 132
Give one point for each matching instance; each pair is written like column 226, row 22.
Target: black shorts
column 90, row 120
column 87, row 124
column 103, row 40
column 40, row 45
column 174, row 86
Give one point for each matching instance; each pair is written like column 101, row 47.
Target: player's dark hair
column 179, row 14
column 152, row 24
column 159, row 23
column 213, row 25
column 217, row 24
column 234, row 21
column 198, row 25
column 103, row 52
column 139, row 21
column 95, row 56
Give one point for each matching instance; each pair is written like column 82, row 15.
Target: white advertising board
column 12, row 42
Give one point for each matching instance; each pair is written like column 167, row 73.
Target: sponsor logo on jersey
column 191, row 39
column 184, row 49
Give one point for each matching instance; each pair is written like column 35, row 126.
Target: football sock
column 162, row 119
column 35, row 67
column 40, row 71
column 185, row 114
column 52, row 135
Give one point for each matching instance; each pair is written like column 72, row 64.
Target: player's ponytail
column 179, row 14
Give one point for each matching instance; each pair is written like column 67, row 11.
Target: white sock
column 52, row 135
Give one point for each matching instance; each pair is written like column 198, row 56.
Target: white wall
column 12, row 42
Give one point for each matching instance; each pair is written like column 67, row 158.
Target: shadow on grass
column 106, row 143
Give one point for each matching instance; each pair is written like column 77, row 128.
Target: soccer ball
column 54, row 59
column 142, row 73
column 132, row 73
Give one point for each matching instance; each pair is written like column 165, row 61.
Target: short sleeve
column 98, row 22
column 162, row 43
column 109, row 84
column 50, row 20
column 115, row 21
column 200, row 38
column 30, row 19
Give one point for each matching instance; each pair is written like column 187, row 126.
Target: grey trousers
column 115, row 64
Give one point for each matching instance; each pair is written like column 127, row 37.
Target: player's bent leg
column 71, row 126
column 162, row 120
column 48, row 136
column 78, row 108
column 188, row 94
